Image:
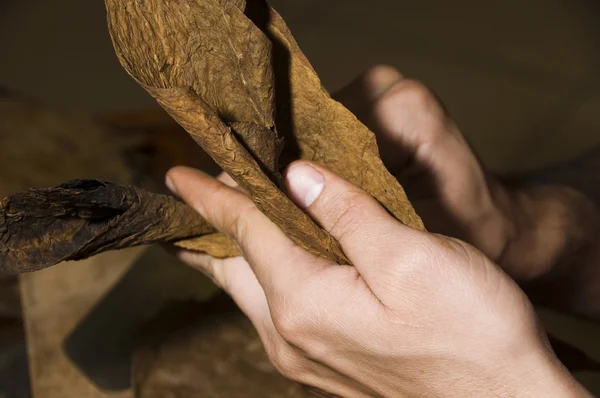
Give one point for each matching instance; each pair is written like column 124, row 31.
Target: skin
column 543, row 228
column 420, row 314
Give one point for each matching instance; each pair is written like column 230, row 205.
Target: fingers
column 226, row 179
column 277, row 262
column 361, row 225
column 431, row 157
column 230, row 182
column 367, row 88
column 235, row 276
column 404, row 115
column 411, row 113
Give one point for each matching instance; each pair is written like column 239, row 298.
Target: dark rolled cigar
column 81, row 218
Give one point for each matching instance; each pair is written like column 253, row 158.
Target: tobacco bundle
column 42, row 227
column 232, row 75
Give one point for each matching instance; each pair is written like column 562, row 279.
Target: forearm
column 555, row 242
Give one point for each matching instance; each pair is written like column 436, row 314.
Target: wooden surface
column 83, row 318
column 54, row 301
column 45, row 147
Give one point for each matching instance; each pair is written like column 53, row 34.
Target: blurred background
column 521, row 79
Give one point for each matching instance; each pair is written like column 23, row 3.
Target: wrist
column 542, row 375
column 522, row 364
column 520, row 367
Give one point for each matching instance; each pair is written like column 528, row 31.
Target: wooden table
column 94, row 309
column 54, row 301
column 40, row 146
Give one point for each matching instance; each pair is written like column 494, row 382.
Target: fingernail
column 305, row 184
column 170, row 185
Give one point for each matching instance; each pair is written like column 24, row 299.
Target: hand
column 526, row 229
column 419, row 315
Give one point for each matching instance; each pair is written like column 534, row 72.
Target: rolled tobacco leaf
column 232, row 75
column 81, row 218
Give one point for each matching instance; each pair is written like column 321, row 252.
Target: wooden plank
column 45, row 147
column 40, row 146
column 54, row 301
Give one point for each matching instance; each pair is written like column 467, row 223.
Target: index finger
column 279, row 264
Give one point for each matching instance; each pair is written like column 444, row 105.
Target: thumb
column 361, row 225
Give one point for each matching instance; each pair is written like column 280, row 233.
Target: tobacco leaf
column 43, row 146
column 33, row 135
column 81, row 218
column 330, row 134
column 232, row 75
column 217, row 354
column 217, row 245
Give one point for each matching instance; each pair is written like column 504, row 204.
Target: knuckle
column 415, row 255
column 292, row 322
column 377, row 72
column 411, row 93
column 295, row 317
column 286, row 361
column 320, row 351
column 412, row 100
column 434, row 251
column 345, row 213
column 215, row 272
column 456, row 248
column 240, row 224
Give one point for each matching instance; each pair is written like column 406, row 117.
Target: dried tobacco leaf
column 35, row 135
column 235, row 79
column 232, row 75
column 81, row 218
column 217, row 245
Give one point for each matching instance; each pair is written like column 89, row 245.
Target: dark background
column 521, row 77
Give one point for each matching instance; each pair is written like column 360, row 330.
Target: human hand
column 417, row 315
column 527, row 229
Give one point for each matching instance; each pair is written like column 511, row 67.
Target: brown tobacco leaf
column 330, row 134
column 232, row 75
column 81, row 218
column 217, row 354
column 217, row 245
